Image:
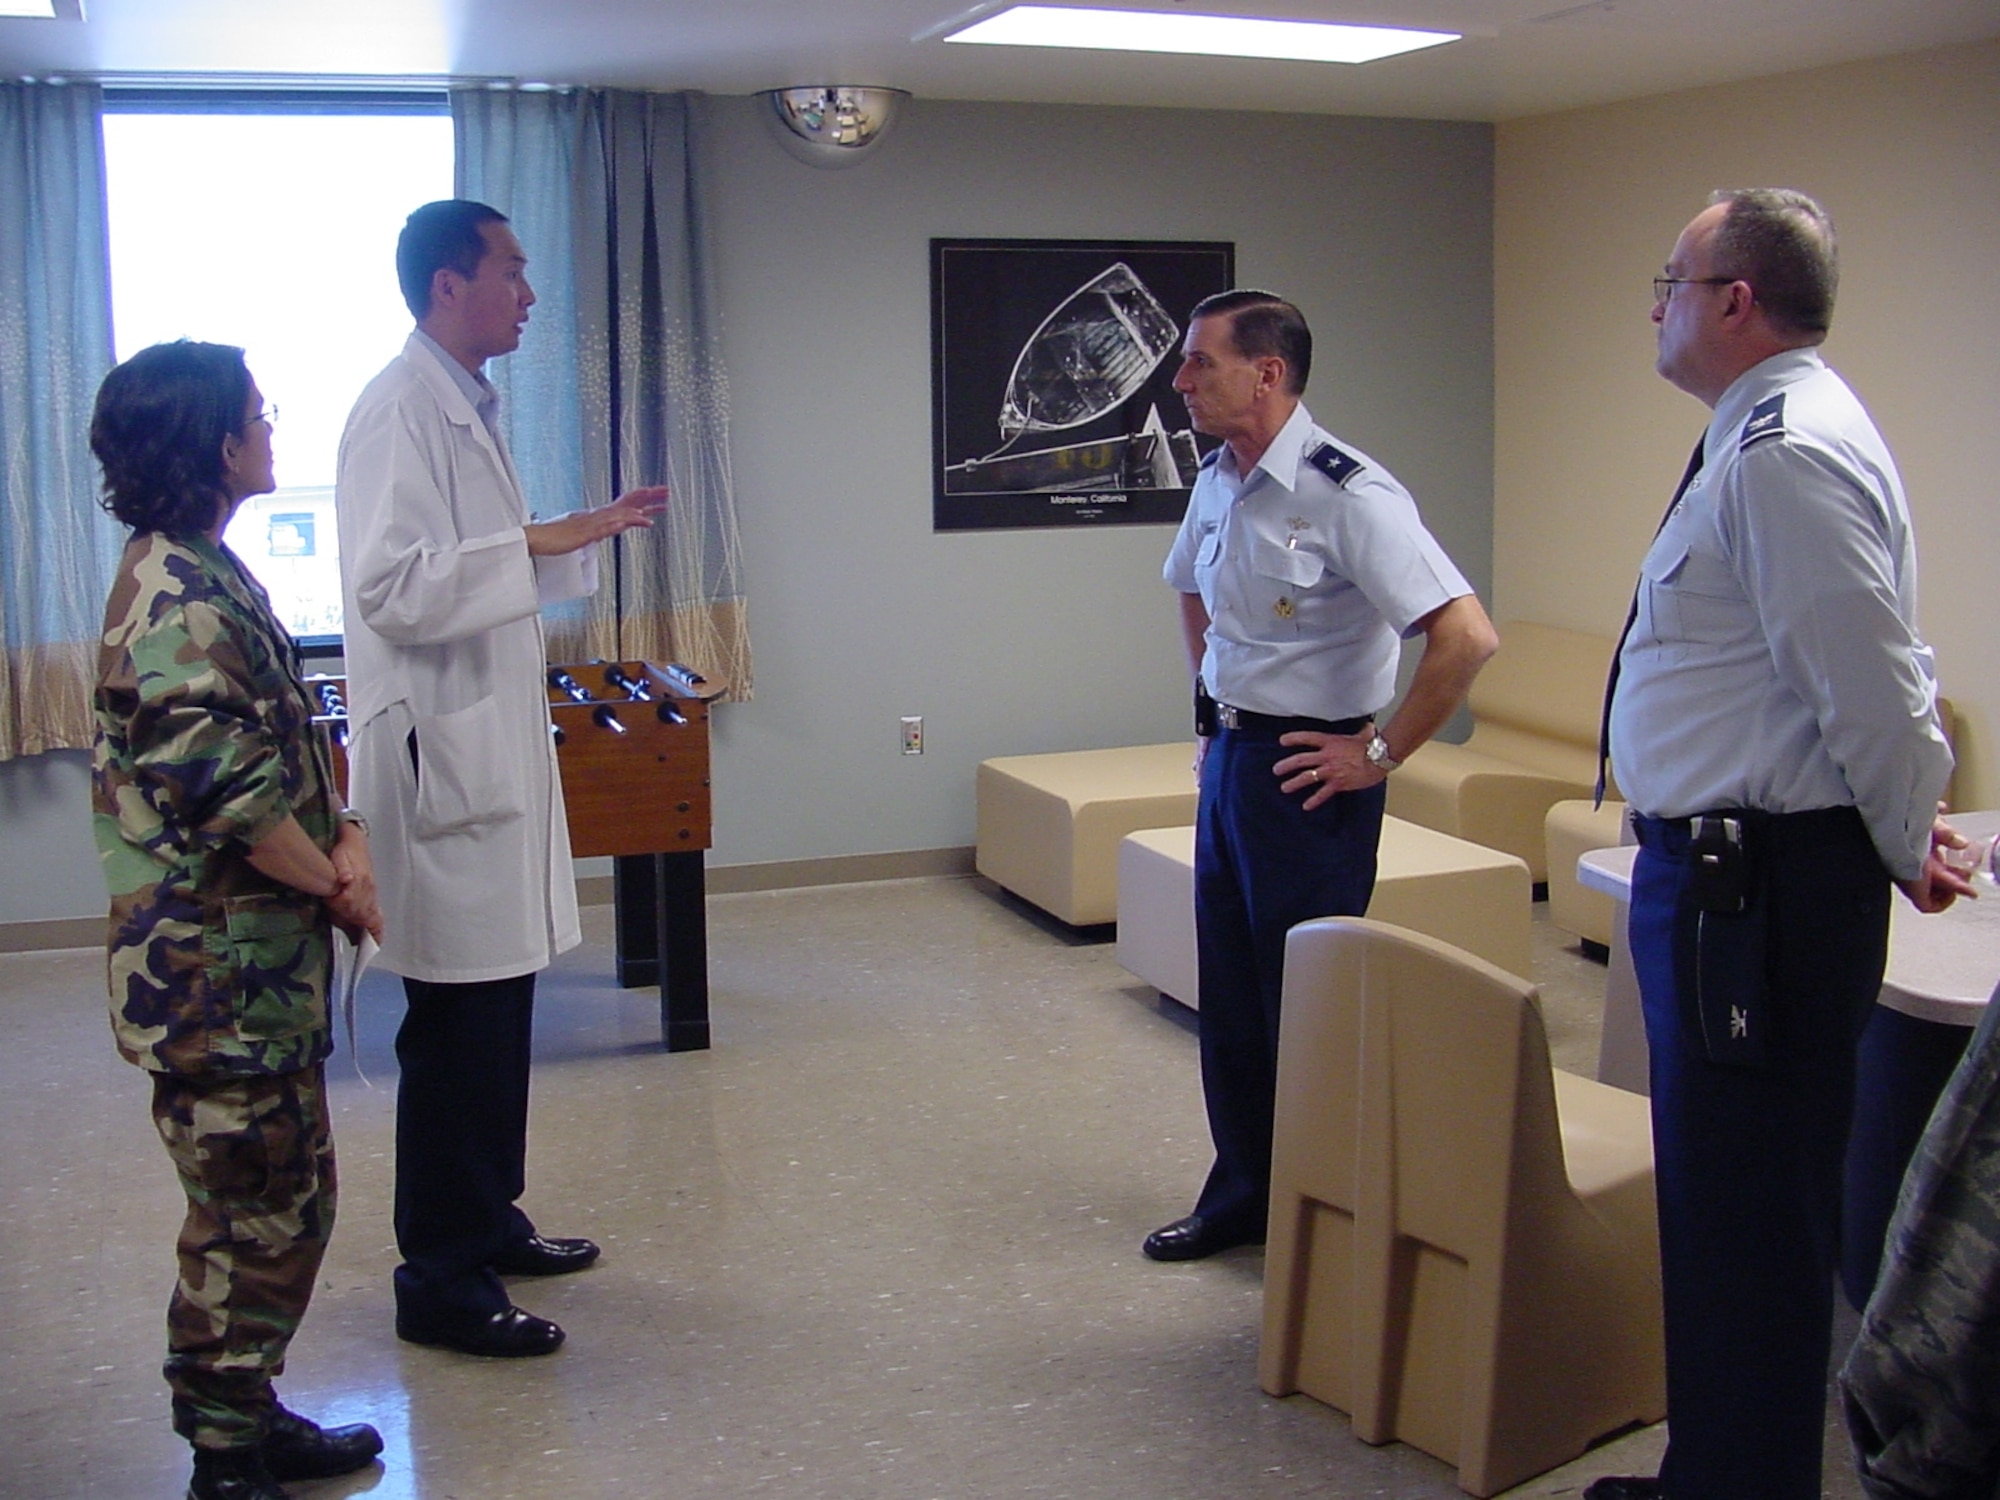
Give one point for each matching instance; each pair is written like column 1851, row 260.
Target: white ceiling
column 1520, row 57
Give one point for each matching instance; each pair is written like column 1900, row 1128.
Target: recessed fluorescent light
column 43, row 10
column 1204, row 36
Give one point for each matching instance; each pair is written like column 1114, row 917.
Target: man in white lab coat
column 443, row 577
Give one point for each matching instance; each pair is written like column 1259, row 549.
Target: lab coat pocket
column 465, row 779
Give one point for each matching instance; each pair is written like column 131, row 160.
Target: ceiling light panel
column 1198, row 35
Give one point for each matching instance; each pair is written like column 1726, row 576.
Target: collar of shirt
column 1281, row 460
column 1752, row 386
column 476, row 389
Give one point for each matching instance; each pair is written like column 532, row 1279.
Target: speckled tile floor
column 879, row 1243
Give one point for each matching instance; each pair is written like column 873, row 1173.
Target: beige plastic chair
column 1463, row 1252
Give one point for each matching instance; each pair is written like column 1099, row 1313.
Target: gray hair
column 1781, row 242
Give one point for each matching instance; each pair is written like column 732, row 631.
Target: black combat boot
column 232, row 1474
column 294, row 1448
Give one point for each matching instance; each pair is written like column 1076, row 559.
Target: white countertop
column 1941, row 968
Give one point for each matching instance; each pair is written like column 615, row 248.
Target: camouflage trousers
column 255, row 1157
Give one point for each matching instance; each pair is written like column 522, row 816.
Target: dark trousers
column 1748, row 1160
column 1262, row 865
column 461, row 1140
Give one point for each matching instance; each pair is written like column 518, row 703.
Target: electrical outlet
column 913, row 734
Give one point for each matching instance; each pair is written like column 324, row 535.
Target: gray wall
column 1006, row 642
column 1010, row 642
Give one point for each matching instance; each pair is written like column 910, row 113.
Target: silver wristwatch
column 1378, row 754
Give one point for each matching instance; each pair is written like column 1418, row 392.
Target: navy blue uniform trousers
column 461, row 1140
column 1748, row 1160
column 1262, row 865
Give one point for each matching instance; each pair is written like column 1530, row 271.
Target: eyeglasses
column 268, row 416
column 1663, row 286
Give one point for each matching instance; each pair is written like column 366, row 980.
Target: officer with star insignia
column 1301, row 566
column 1773, row 717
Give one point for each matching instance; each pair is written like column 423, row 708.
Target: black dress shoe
column 536, row 1256
column 294, row 1448
column 512, row 1334
column 1624, row 1487
column 232, row 1474
column 1194, row 1238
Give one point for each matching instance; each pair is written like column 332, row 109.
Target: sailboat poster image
column 1052, row 371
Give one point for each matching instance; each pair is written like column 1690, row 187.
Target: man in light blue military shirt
column 1301, row 566
column 1773, row 722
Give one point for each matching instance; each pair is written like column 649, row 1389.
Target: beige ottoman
column 1572, row 830
column 1470, row 896
column 1049, row 825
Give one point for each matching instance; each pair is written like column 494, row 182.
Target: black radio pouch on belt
column 1204, row 712
column 1721, row 932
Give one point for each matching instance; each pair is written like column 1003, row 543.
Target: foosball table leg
column 683, row 949
column 660, row 901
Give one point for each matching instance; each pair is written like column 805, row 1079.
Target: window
column 271, row 222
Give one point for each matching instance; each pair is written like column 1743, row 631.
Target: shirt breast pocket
column 1286, row 578
column 1692, row 596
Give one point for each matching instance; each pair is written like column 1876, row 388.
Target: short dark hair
column 440, row 236
column 158, row 430
column 1263, row 324
column 1781, row 242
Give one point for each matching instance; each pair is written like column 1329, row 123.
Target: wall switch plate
column 913, row 734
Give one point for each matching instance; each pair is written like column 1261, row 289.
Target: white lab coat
column 444, row 637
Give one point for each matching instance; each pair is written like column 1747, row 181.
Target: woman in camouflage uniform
column 229, row 861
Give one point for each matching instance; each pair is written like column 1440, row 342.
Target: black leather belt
column 1243, row 718
column 1672, row 835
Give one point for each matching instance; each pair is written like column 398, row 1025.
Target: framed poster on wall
column 1052, row 369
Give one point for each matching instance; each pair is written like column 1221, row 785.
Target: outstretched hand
column 581, row 528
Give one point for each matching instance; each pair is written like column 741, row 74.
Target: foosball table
column 632, row 744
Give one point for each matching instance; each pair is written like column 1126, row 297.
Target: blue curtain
column 517, row 151
column 620, row 380
column 58, row 549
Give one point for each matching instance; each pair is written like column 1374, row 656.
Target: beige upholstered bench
column 1049, row 825
column 1472, row 897
column 1535, row 713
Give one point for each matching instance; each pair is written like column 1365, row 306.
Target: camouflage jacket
column 204, row 744
column 1921, row 1385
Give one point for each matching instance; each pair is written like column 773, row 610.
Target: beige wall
column 1905, row 153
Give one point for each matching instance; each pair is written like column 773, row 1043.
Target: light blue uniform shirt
column 1311, row 571
column 1774, row 662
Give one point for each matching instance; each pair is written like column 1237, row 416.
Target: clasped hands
column 354, row 903
column 1938, row 885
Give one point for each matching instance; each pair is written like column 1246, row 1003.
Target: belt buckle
column 1226, row 716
